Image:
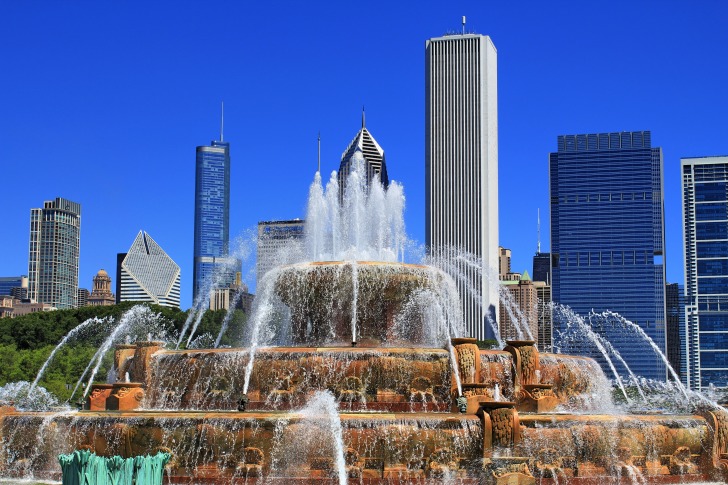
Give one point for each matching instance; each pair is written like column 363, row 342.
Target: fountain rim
column 362, row 263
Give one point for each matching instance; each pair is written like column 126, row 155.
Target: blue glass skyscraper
column 607, row 233
column 705, row 218
column 212, row 264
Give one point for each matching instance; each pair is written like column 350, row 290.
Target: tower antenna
column 222, row 119
column 319, row 152
column 463, row 24
column 363, row 117
column 538, row 231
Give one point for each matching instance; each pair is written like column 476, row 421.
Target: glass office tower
column 607, row 233
column 705, row 218
column 54, row 249
column 212, row 264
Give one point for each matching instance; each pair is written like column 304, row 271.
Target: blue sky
column 104, row 103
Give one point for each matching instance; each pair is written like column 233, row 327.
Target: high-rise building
column 607, row 233
column 674, row 306
column 55, row 237
column 365, row 144
column 542, row 267
column 213, row 266
column 523, row 298
column 236, row 295
column 147, row 274
column 545, row 316
column 274, row 239
column 504, row 261
column 705, row 225
column 101, row 294
column 9, row 285
column 82, row 298
column 461, row 168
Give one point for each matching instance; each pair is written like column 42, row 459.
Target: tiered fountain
column 356, row 371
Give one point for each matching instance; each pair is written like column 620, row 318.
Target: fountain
column 357, row 370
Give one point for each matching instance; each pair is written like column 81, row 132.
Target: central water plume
column 366, row 223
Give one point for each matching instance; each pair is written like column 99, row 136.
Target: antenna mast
column 319, row 152
column 538, row 231
column 222, row 119
column 463, row 24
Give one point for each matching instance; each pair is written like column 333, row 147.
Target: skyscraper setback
column 461, row 168
column 212, row 261
column 607, row 233
column 705, row 219
column 53, row 256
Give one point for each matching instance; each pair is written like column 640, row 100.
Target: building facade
column 521, row 304
column 674, row 307
column 9, row 285
column 101, row 294
column 461, row 167
column 213, row 266
column 53, row 256
column 236, row 295
column 544, row 313
column 542, row 267
column 705, row 226
column 82, row 298
column 372, row 153
column 607, row 233
column 274, row 239
column 147, row 274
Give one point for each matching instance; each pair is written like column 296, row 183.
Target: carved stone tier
column 501, row 426
column 96, row 400
column 123, row 357
column 320, row 296
column 141, row 368
column 125, row 396
column 508, row 471
column 537, row 398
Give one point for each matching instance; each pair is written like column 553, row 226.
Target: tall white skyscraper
column 461, row 170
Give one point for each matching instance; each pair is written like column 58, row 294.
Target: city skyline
column 118, row 142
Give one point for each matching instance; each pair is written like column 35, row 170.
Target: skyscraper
column 11, row 285
column 705, row 225
column 607, row 233
column 461, row 168
column 147, row 273
column 674, row 307
column 372, row 153
column 212, row 219
column 274, row 237
column 55, row 237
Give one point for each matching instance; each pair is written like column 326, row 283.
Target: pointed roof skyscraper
column 373, row 154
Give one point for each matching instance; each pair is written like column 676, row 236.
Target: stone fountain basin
column 324, row 297
column 385, row 379
column 213, row 443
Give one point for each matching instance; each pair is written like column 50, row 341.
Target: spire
column 363, row 117
column 538, row 230
column 463, row 24
column 319, row 152
column 222, row 119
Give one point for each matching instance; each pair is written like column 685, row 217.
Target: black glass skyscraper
column 607, row 236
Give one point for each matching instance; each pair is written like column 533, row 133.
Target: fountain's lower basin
column 212, row 447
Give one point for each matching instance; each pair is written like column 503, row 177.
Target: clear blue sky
column 104, row 103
